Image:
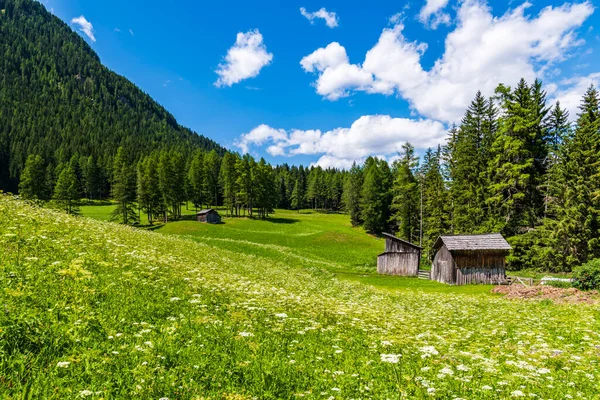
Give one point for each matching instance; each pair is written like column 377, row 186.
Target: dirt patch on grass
column 558, row 295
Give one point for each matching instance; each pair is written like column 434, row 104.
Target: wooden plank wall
column 487, row 276
column 395, row 246
column 442, row 268
column 404, row 264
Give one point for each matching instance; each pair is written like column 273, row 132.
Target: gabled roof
column 202, row 212
column 488, row 241
column 390, row 236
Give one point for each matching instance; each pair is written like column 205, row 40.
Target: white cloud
column 432, row 15
column 117, row 30
column 480, row 52
column 370, row 134
column 571, row 91
column 85, row 26
column 244, row 60
column 330, row 18
column 260, row 135
column 131, row 32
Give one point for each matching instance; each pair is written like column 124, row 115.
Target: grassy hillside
column 98, row 310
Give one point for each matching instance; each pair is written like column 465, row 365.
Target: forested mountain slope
column 58, row 100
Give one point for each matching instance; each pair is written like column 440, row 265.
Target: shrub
column 587, row 276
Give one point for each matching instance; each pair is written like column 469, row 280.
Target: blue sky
column 337, row 85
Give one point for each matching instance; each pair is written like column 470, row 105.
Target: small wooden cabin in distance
column 400, row 257
column 465, row 259
column 209, row 215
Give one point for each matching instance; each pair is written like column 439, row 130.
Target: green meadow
column 278, row 309
column 306, row 238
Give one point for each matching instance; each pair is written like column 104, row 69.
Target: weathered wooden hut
column 465, row 259
column 209, row 215
column 400, row 257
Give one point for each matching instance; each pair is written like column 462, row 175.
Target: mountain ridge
column 57, row 99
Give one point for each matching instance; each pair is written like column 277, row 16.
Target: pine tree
column 244, row 169
column 33, row 185
column 352, row 192
column 469, row 151
column 376, row 195
column 512, row 166
column 67, row 191
column 196, row 179
column 228, row 181
column 435, row 215
column 297, row 196
column 94, row 183
column 405, row 204
column 212, row 163
column 171, row 179
column 148, row 190
column 123, row 188
column 578, row 227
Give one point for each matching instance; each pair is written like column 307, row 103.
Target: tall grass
column 97, row 310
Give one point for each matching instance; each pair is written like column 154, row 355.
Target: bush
column 587, row 276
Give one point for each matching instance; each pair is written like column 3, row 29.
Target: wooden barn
column 210, row 216
column 400, row 257
column 465, row 259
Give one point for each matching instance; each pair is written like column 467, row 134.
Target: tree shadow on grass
column 276, row 220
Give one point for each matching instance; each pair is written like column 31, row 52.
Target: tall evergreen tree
column 33, row 183
column 512, row 166
column 470, row 149
column 376, row 195
column 67, row 191
column 578, row 225
column 196, row 179
column 123, row 188
column 228, row 181
column 435, row 213
column 212, row 163
column 406, row 199
column 352, row 192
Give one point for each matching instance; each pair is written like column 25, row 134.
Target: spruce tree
column 405, row 204
column 352, row 192
column 123, row 188
column 228, row 181
column 469, row 152
column 297, row 196
column 212, row 163
column 33, row 185
column 435, row 199
column 512, row 165
column 376, row 195
column 579, row 217
column 67, row 191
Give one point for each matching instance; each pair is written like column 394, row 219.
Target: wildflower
column 86, row 393
column 338, row 351
column 517, row 393
column 246, row 334
column 281, row 315
column 386, row 343
column 336, row 389
column 486, row 387
column 391, row 358
column 174, row 299
column 428, row 351
column 462, row 368
column 63, row 364
column 292, row 361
